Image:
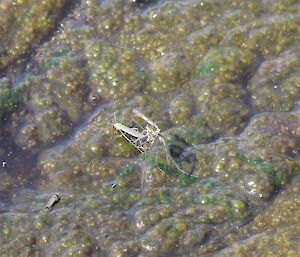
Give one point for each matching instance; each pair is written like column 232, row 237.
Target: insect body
column 53, row 200
column 131, row 131
column 143, row 139
column 132, row 135
column 151, row 134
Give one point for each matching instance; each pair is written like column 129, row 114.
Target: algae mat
column 222, row 81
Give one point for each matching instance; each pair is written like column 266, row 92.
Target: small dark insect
column 113, row 185
column 53, row 200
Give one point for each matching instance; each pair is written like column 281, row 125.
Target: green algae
column 223, row 107
column 278, row 175
column 56, row 57
column 225, row 64
column 279, row 87
column 180, row 109
column 195, row 65
column 263, row 34
column 168, row 72
column 26, row 24
column 164, row 196
column 185, row 180
column 281, row 219
column 115, row 71
column 128, row 170
column 10, row 98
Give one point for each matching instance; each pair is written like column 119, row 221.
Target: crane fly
column 144, row 138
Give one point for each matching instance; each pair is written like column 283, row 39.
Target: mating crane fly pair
column 143, row 139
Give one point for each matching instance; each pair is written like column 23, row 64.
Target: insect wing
column 134, row 141
column 140, row 143
column 145, row 118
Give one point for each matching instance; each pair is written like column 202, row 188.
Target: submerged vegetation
column 9, row 98
column 221, row 81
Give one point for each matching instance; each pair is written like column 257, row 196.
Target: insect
column 132, row 135
column 152, row 133
column 144, row 138
column 53, row 200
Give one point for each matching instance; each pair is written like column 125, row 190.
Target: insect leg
column 132, row 142
column 156, row 162
column 155, row 149
column 169, row 157
column 143, row 178
column 143, row 116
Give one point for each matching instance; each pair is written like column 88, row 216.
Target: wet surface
column 219, row 78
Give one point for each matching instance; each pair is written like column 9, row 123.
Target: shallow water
column 221, row 79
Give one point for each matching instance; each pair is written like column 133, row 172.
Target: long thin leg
column 156, row 162
column 135, row 145
column 143, row 178
column 140, row 127
column 168, row 156
column 143, row 116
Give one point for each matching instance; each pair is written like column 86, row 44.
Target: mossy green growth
column 127, row 170
column 186, row 180
column 176, row 145
column 7, row 234
column 208, row 200
column 54, row 60
column 9, row 97
column 124, row 199
column 212, row 63
column 155, row 161
column 162, row 165
column 278, row 175
column 26, row 23
column 164, row 196
column 115, row 72
column 52, row 63
column 208, row 184
column 176, row 230
column 239, row 205
column 207, row 69
column 44, row 219
column 225, row 64
column 59, row 52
